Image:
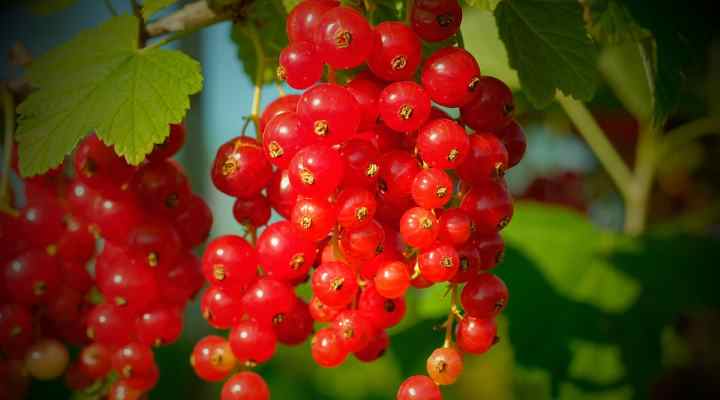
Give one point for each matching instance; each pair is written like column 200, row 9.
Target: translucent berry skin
column 455, row 227
column 439, row 263
column 334, row 284
column 354, row 330
column 15, row 328
column 316, row 171
column 47, row 359
column 172, row 144
column 487, row 159
column 299, row 65
column 159, row 326
column 376, row 347
column 268, row 301
column 115, row 217
column 392, row 280
column 356, row 207
column 107, row 324
column 303, row 20
column 181, row 280
column 382, row 312
column 278, row 106
column 469, row 262
column 327, row 349
column 281, row 193
column 163, row 188
column 450, row 77
column 254, row 211
column 419, row 227
column 252, row 341
column 314, row 218
column 129, row 284
column 121, row 390
column 490, row 248
column 99, row 167
column 229, row 261
column 246, row 385
column 432, row 188
column 220, row 308
column 396, row 52
column 32, row 278
column 404, row 106
column 490, row 205
column 156, row 241
column 343, row 38
column 322, row 312
column 212, row 359
column 362, row 243
column 41, row 221
column 514, row 139
column 285, row 253
column 362, row 162
column 485, row 296
column 419, row 387
column 95, row 361
column 492, row 108
column 296, row 327
column 474, row 335
column 442, row 143
column 76, row 244
column 194, row 224
column 240, row 168
column 283, row 137
column 134, row 362
column 435, row 20
column 397, row 172
column 366, row 91
column 445, row 365
column 330, row 112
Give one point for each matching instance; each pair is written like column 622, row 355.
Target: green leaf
column 596, row 362
column 548, row 45
column 101, row 81
column 612, row 23
column 150, row 7
column 267, row 19
column 487, row 5
column 482, row 40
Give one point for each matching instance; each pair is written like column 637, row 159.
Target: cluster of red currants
column 379, row 190
column 101, row 261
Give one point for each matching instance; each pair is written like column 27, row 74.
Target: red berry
column 163, row 188
column 76, row 244
column 281, row 193
column 212, row 359
column 343, row 38
column 316, row 171
column 397, row 172
column 172, row 144
column 485, row 296
column 42, row 221
column 135, row 363
column 95, row 360
column 419, row 387
column 278, row 106
column 356, row 207
column 245, row 385
column 439, row 263
column 299, row 65
column 182, row 280
column 384, row 313
column 487, row 159
column 354, row 330
column 392, row 280
column 404, row 106
column 156, row 241
column 362, row 162
column 220, row 307
column 283, row 137
column 159, row 326
column 99, row 167
column 330, row 112
column 334, row 284
column 490, row 205
column 396, row 52
column 436, row 20
column 363, row 242
column 108, row 325
column 285, row 253
column 254, row 211
column 128, row 283
column 115, row 217
column 514, row 139
column 252, row 342
column 304, row 19
column 296, row 327
column 376, row 347
column 229, row 261
column 455, row 226
column 490, row 248
column 492, row 107
column 314, row 218
column 32, row 278
column 432, row 188
column 121, row 390
column 327, row 349
column 475, row 335
column 445, row 365
column 442, row 143
column 240, row 168
column 366, row 91
column 322, row 312
column 268, row 301
column 419, row 227
column 194, row 224
column 16, row 329
column 450, row 76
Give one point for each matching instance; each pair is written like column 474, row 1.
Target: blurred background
column 594, row 313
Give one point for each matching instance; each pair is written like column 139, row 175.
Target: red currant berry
column 419, row 387
column 285, row 253
column 397, row 172
column 404, row 106
column 491, row 248
column 443, row 143
column 240, row 168
column 220, row 308
column 212, row 359
column 172, row 144
column 366, row 91
column 268, row 301
column 490, row 205
column 419, row 227
column 343, row 38
column 163, row 188
column 287, row 103
column 492, row 107
column 432, row 188
column 115, row 217
column 15, row 328
column 229, row 261
column 334, row 284
column 281, row 193
column 356, row 207
column 376, row 348
column 330, row 112
column 384, row 313
column 392, row 280
column 451, row 76
column 42, row 221
column 299, row 65
column 76, row 244
column 354, row 330
column 156, row 241
column 254, row 211
column 485, row 296
column 194, row 224
column 121, row 390
column 435, row 20
column 181, row 280
column 316, row 171
column 476, row 336
column 514, row 139
column 108, row 325
column 314, row 218
column 284, row 136
column 245, row 385
column 135, row 363
column 445, row 365
column 487, row 159
column 95, row 361
column 32, row 278
column 322, row 312
column 327, row 349
column 296, row 327
column 439, row 263
column 303, row 20
column 362, row 243
column 362, row 160
column 99, row 167
column 128, row 284
column 252, row 342
column 455, row 227
column 396, row 52
column 159, row 326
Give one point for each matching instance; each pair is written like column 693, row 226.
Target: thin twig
column 449, row 323
column 690, row 131
column 192, row 16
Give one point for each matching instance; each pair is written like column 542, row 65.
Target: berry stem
column 259, row 69
column 191, row 17
column 408, row 10
column 278, row 86
column 8, row 105
column 451, row 316
column 459, row 39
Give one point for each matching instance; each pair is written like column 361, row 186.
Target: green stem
column 598, row 142
column 408, row 10
column 690, row 131
column 459, row 39
column 259, row 71
column 648, row 66
column 638, row 197
column 8, row 105
column 449, row 323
